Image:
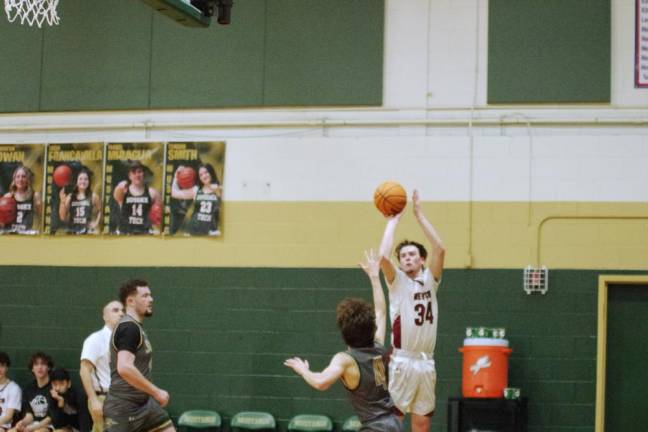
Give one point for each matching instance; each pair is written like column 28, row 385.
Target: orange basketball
column 186, row 177
column 62, row 175
column 155, row 214
column 8, row 209
column 390, row 198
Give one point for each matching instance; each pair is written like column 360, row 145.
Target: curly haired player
column 363, row 367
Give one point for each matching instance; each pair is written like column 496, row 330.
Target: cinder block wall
column 220, row 335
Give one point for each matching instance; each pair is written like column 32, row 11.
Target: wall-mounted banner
column 73, row 188
column 641, row 44
column 21, row 188
column 133, row 188
column 193, row 198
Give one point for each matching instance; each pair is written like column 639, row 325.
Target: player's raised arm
column 64, row 204
column 320, row 380
column 371, row 267
column 437, row 255
column 386, row 246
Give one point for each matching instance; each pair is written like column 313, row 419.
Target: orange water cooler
column 485, row 367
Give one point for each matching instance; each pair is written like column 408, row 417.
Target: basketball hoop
column 32, row 11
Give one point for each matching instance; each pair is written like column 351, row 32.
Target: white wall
column 437, row 54
column 582, row 168
column 434, row 132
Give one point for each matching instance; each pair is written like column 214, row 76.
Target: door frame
column 601, row 344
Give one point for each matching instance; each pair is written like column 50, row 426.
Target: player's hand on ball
column 162, row 397
column 394, row 219
column 298, row 365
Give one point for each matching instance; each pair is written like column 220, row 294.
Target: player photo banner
column 21, row 188
column 193, row 188
column 73, row 188
column 133, row 188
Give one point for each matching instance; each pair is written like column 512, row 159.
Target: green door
column 627, row 358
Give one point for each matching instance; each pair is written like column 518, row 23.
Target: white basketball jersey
column 413, row 311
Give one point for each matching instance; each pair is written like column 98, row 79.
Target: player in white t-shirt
column 10, row 394
column 95, row 363
column 413, row 311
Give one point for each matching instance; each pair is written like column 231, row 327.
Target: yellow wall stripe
column 333, row 234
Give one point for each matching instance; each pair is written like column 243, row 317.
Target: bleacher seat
column 253, row 421
column 310, row 423
column 352, row 424
column 204, row 420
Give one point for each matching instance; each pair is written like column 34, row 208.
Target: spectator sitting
column 36, row 396
column 68, row 410
column 10, row 395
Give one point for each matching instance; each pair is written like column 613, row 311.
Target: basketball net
column 32, row 11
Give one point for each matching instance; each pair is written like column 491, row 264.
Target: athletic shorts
column 386, row 423
column 412, row 382
column 124, row 416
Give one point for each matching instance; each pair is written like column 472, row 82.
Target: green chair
column 352, row 424
column 310, row 423
column 253, row 421
column 205, row 420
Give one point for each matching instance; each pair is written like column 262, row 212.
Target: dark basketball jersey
column 80, row 215
column 371, row 398
column 205, row 214
column 24, row 215
column 135, row 213
column 119, row 388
